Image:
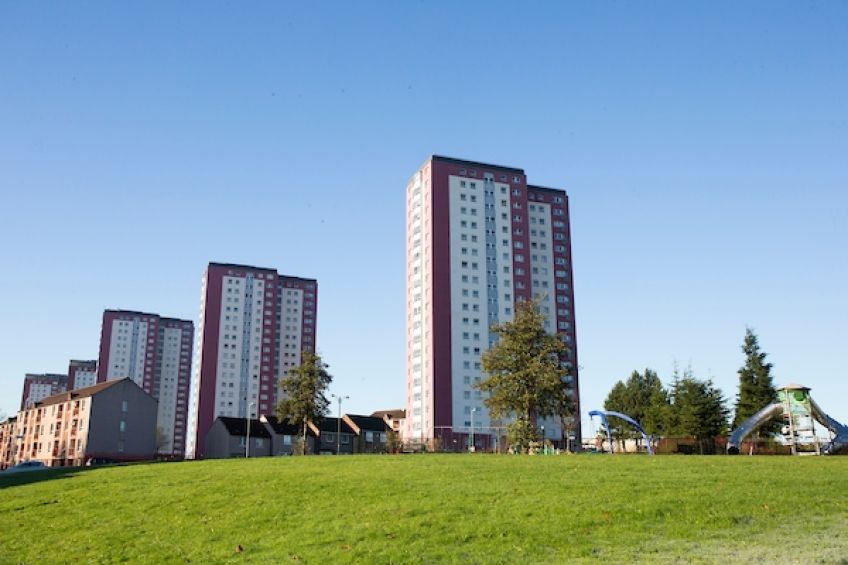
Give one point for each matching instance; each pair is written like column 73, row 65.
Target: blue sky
column 703, row 147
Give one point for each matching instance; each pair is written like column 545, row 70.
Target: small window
column 124, row 406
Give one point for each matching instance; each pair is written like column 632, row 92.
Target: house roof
column 236, row 427
column 283, row 428
column 396, row 414
column 366, row 423
column 331, row 425
column 80, row 392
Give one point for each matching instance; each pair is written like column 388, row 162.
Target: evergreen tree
column 756, row 388
column 698, row 409
column 656, row 416
column 618, row 401
column 304, row 393
column 644, row 399
column 526, row 377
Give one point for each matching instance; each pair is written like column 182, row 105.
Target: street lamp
column 473, row 410
column 247, row 425
column 339, row 429
column 544, row 447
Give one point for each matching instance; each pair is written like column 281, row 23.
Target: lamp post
column 339, row 429
column 247, row 430
column 544, row 447
column 473, row 410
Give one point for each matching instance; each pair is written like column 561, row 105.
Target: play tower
column 799, row 413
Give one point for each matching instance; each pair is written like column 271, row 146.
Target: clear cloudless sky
column 704, row 147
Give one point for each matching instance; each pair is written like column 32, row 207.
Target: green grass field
column 432, row 509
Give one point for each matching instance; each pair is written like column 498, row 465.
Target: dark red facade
column 520, row 196
column 150, row 379
column 58, row 383
column 273, row 291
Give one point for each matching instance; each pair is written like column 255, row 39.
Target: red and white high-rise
column 479, row 240
column 254, row 325
column 154, row 352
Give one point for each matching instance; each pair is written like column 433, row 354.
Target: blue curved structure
column 602, row 414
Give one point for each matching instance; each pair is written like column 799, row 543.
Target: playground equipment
column 799, row 412
column 602, row 414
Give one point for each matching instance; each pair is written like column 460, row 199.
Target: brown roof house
column 112, row 421
column 394, row 418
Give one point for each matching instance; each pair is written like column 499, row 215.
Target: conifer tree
column 698, row 409
column 756, row 388
column 304, row 393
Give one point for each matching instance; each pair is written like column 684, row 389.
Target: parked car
column 26, row 466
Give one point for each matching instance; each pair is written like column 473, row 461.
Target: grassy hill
column 432, row 508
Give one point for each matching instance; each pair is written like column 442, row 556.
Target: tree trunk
column 753, row 443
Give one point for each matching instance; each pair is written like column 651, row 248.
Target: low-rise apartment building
column 111, row 421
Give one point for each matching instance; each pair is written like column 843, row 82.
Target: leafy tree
column 698, row 409
column 304, row 393
column 756, row 388
column 526, row 378
column 393, row 442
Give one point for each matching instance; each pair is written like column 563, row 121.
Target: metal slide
column 838, row 443
column 751, row 424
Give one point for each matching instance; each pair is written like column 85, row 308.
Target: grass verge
column 433, row 508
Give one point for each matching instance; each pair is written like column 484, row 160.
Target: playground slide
column 840, row 442
column 752, row 424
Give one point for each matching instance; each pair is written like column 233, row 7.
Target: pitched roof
column 284, row 428
column 236, row 427
column 80, row 392
column 396, row 414
column 331, row 425
column 367, row 423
